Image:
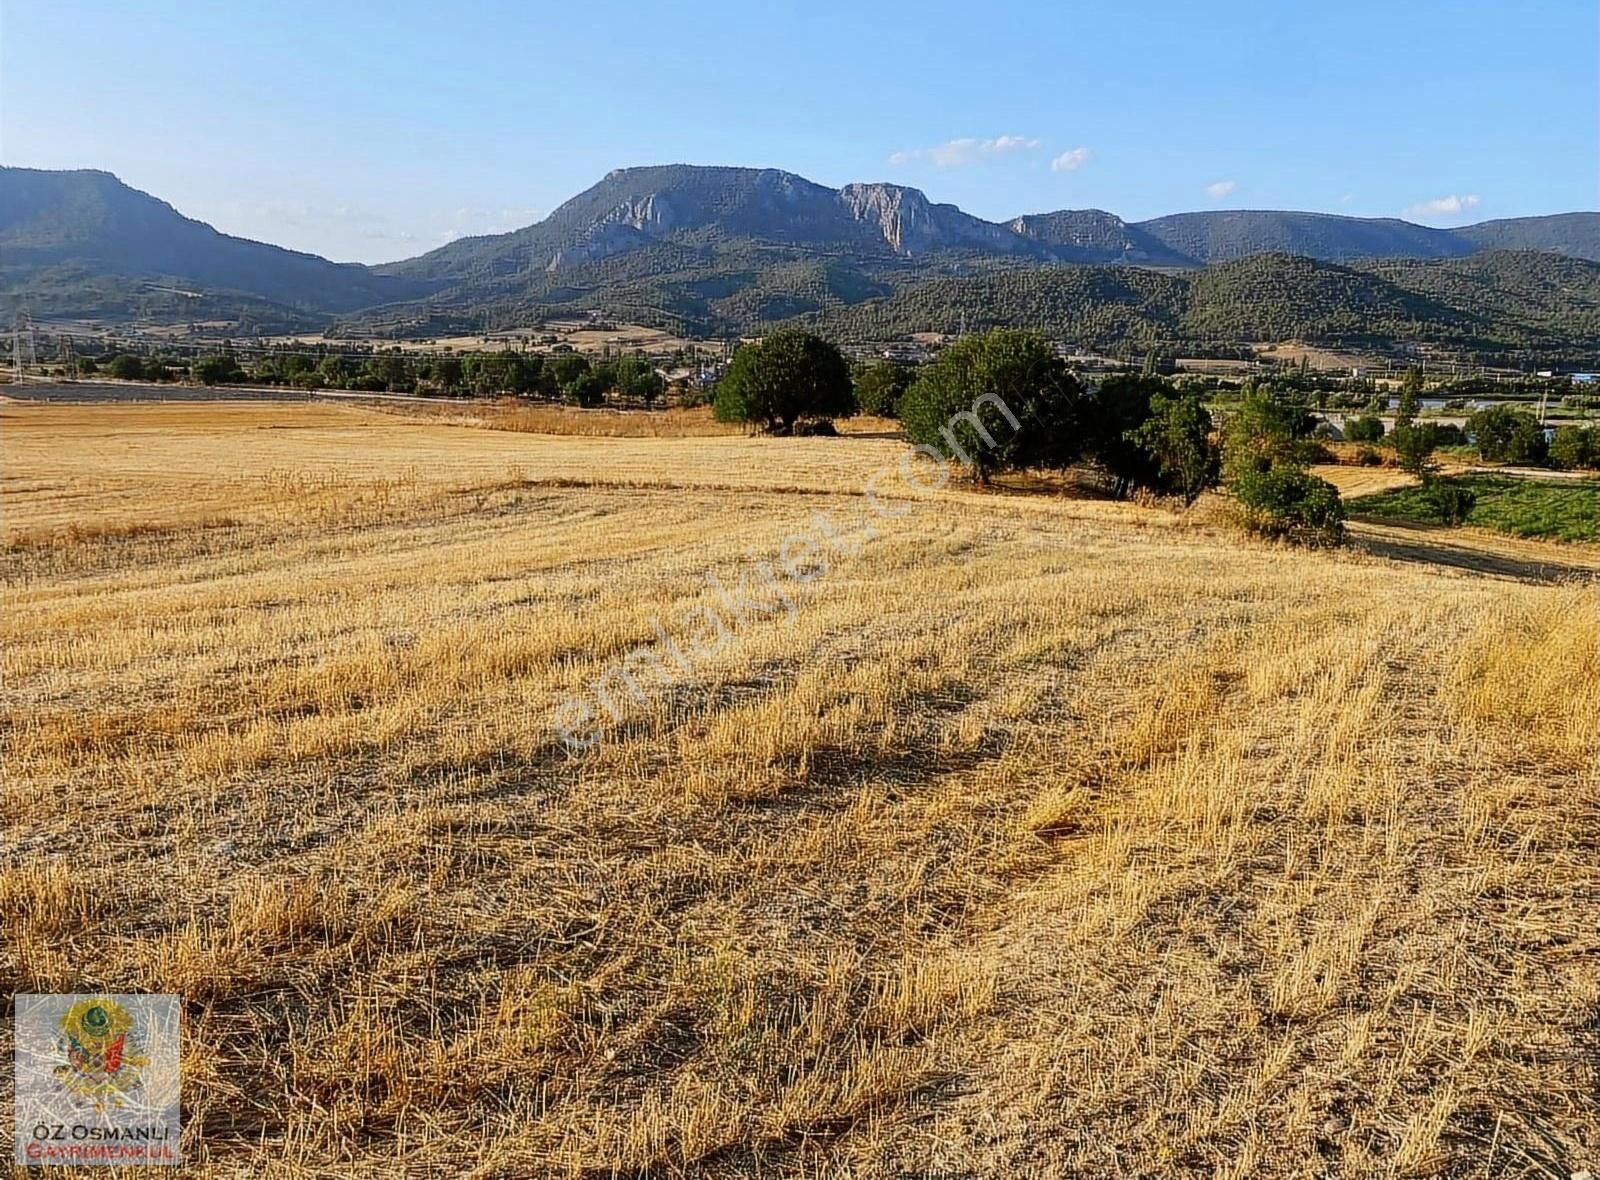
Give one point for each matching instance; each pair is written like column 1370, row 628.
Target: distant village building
column 906, row 354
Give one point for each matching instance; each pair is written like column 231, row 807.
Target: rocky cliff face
column 901, row 216
column 633, row 207
column 1093, row 235
column 600, row 241
column 911, row 224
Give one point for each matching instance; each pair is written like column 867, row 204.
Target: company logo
column 101, row 1044
column 97, row 1079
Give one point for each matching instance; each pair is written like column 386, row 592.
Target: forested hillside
column 1494, row 304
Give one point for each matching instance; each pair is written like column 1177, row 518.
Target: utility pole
column 22, row 338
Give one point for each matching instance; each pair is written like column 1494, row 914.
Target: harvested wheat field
column 1031, row 836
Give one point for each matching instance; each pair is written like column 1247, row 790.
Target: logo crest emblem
column 102, row 1047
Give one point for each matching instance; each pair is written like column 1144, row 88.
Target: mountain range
column 712, row 250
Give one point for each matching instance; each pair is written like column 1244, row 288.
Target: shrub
column 1286, row 501
column 1452, row 502
column 1367, row 457
column 1366, row 428
column 780, row 380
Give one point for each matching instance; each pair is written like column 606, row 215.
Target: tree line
column 570, row 377
column 1003, row 400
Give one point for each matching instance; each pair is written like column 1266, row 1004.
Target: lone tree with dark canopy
column 1112, row 417
column 789, row 376
column 996, row 402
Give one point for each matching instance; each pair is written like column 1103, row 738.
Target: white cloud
column 1071, row 161
column 1445, row 206
column 1218, row 189
column 959, row 152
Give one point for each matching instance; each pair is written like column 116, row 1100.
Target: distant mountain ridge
column 88, row 223
column 706, row 250
column 636, row 208
column 1225, row 235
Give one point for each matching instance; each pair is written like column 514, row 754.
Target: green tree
column 1112, row 416
column 126, row 367
column 218, row 369
column 880, row 386
column 1573, row 447
column 1266, row 428
column 1505, row 434
column 1414, row 443
column 780, row 380
column 587, row 389
column 564, row 369
column 1411, row 387
column 1177, row 438
column 392, row 371
column 1364, row 428
column 334, row 371
column 448, row 373
column 635, row 377
column 1263, row 448
column 997, row 401
column 486, row 374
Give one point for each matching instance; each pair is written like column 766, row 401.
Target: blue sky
column 376, row 131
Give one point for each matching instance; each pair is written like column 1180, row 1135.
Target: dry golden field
column 1043, row 837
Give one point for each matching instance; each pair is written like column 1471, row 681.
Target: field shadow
column 1436, row 545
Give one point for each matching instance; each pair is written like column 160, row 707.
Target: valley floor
column 1043, row 836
